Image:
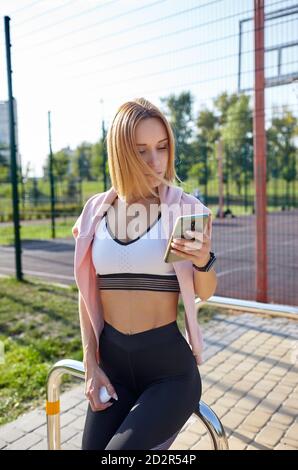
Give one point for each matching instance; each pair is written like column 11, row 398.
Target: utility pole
column 13, row 160
column 51, row 176
column 260, row 156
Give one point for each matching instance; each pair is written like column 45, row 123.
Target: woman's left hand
column 198, row 250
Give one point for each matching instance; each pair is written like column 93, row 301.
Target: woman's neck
column 144, row 200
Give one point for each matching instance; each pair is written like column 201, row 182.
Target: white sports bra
column 134, row 265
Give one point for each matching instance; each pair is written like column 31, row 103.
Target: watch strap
column 208, row 265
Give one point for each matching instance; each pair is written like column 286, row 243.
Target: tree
column 237, row 139
column 82, row 162
column 97, row 159
column 204, row 147
column 4, row 164
column 223, row 103
column 61, row 167
column 283, row 152
column 179, row 113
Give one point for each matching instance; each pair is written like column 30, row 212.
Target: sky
column 81, row 59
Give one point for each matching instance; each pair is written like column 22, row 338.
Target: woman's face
column 153, row 143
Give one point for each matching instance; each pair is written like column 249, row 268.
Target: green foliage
column 179, row 110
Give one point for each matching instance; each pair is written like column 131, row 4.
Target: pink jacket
column 174, row 201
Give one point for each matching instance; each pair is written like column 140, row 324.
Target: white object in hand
column 104, row 395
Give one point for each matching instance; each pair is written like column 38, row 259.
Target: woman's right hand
column 95, row 378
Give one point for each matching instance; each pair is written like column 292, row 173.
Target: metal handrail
column 76, row 368
column 251, row 306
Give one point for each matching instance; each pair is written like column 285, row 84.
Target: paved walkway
column 249, row 380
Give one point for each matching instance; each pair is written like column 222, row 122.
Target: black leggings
column 158, row 384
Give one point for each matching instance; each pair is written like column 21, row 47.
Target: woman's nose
column 153, row 157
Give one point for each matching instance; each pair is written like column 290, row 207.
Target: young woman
column 128, row 295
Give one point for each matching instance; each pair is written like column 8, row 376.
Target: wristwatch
column 209, row 264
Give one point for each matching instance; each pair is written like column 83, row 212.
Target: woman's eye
column 160, row 148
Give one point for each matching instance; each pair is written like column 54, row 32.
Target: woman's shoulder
column 82, row 223
column 94, row 200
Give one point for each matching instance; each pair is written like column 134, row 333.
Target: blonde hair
column 127, row 168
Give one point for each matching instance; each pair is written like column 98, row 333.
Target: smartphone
column 195, row 222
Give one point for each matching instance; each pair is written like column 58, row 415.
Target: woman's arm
column 88, row 337
column 95, row 377
column 205, row 283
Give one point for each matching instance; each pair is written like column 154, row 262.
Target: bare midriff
column 134, row 311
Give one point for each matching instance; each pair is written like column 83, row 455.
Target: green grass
column 39, row 325
column 37, row 231
column 88, row 188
